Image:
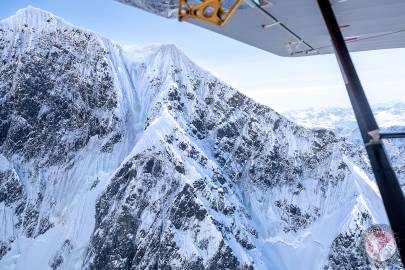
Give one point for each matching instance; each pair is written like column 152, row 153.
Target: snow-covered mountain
column 390, row 117
column 139, row 159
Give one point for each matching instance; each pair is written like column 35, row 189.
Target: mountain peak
column 31, row 10
column 173, row 52
column 33, row 17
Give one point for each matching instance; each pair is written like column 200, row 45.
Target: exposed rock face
column 141, row 160
column 51, row 94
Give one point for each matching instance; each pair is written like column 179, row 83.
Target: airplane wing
column 296, row 27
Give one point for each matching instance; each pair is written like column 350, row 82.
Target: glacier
column 116, row 158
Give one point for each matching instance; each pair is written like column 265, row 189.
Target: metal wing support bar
column 286, row 28
column 390, row 189
column 211, row 11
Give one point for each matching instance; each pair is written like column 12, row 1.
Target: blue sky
column 282, row 83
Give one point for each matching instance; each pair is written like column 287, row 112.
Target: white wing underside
column 296, row 27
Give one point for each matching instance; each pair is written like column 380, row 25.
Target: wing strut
column 391, row 193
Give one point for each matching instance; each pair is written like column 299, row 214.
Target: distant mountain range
column 390, row 117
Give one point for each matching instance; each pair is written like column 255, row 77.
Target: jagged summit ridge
column 33, row 17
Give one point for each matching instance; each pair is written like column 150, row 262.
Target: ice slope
column 115, row 158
